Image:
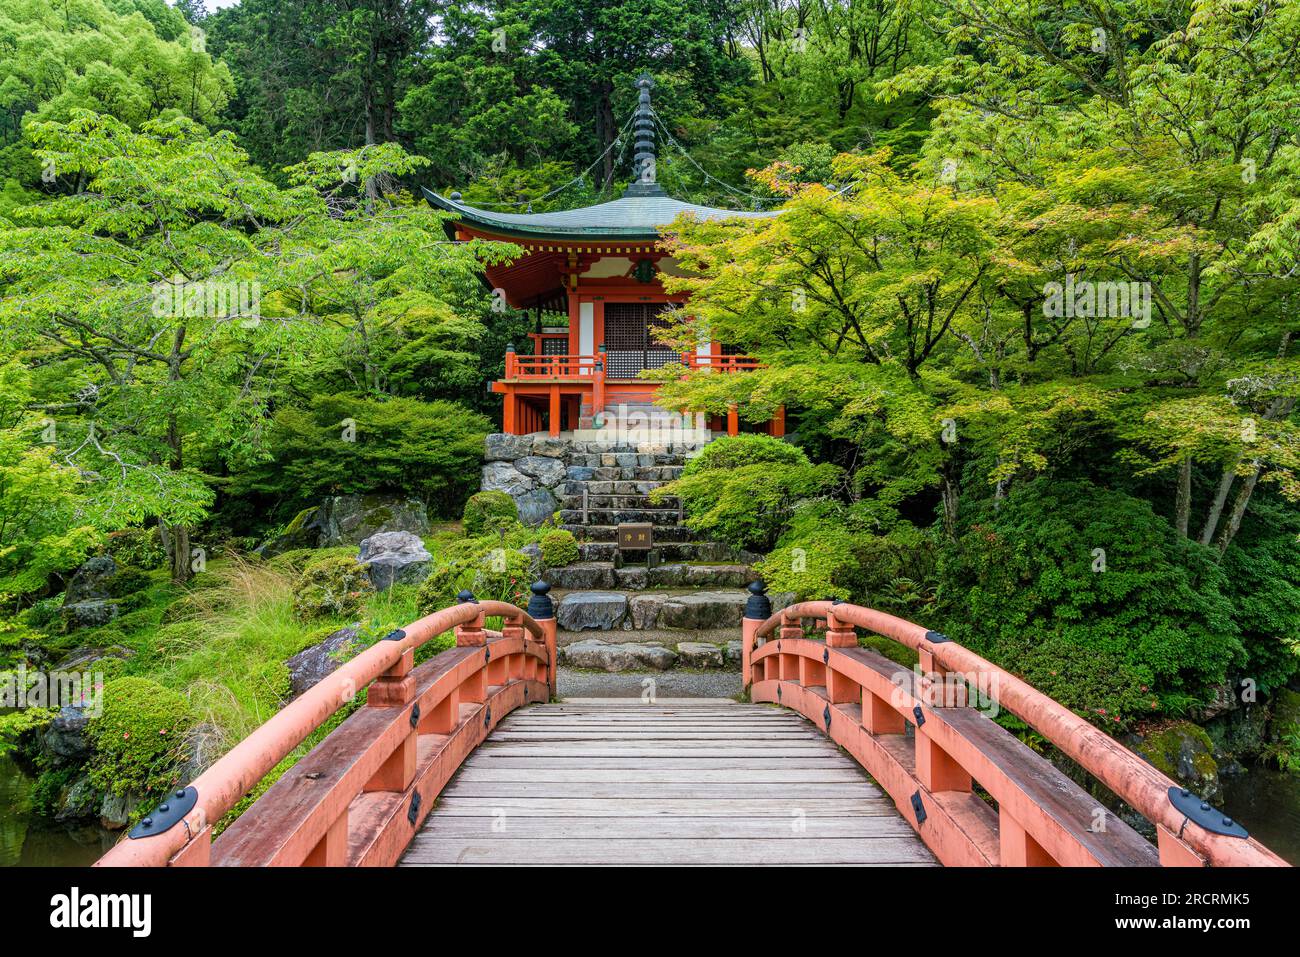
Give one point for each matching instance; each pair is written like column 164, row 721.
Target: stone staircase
column 625, row 625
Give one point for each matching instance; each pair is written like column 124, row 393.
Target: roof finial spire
column 643, row 158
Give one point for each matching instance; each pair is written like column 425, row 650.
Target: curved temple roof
column 629, row 217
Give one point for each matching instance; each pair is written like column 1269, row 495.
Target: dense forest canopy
column 1030, row 306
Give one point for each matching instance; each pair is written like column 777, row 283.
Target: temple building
column 599, row 267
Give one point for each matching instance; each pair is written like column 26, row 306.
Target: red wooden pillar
column 777, row 425
column 733, row 421
column 555, row 411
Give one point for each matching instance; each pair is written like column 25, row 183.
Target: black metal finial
column 758, row 607
column 644, row 174
column 540, row 606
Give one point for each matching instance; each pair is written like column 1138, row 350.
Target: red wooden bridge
column 466, row 759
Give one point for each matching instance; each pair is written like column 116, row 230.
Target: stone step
column 610, row 609
column 598, row 655
column 608, row 516
column 603, row 574
column 668, row 552
column 660, row 636
column 597, row 532
column 577, row 486
column 615, row 502
column 648, row 686
column 641, row 473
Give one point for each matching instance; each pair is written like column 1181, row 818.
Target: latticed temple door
column 630, row 345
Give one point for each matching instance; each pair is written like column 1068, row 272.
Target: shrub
column 743, row 490
column 483, row 567
column 1152, row 631
column 489, row 512
column 737, row 451
column 141, row 547
column 430, row 449
column 137, row 739
column 331, row 587
column 1263, row 583
column 559, row 547
column 831, row 551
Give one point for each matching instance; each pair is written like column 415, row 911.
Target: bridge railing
column 926, row 734
column 360, row 795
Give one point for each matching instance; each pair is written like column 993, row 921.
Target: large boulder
column 595, row 610
column 504, row 477
column 535, row 506
column 86, row 656
column 351, row 519
column 700, row 654
column 550, row 446
column 313, row 664
column 91, row 582
column 1185, row 752
column 116, row 809
column 88, row 614
column 548, row 472
column 605, row 656
column 501, row 447
column 395, row 557
column 65, row 737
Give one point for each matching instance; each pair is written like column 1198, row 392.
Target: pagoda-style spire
column 644, row 182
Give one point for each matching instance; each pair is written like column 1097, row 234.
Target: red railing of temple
column 360, row 795
column 721, row 363
column 587, row 367
column 550, row 367
column 865, row 702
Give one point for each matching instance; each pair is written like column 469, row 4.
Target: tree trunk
column 180, row 554
column 1220, row 499
column 1183, row 505
column 1239, row 509
column 951, row 496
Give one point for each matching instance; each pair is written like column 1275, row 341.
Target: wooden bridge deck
column 687, row 781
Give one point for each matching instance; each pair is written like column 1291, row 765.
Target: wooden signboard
column 635, row 537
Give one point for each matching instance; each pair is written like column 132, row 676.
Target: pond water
column 27, row 842
column 1267, row 803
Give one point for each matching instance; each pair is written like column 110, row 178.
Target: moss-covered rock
column 136, row 739
column 1185, row 752
column 331, row 587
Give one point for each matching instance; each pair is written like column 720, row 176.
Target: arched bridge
column 468, row 758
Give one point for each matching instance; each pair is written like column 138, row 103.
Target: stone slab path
column 598, row 781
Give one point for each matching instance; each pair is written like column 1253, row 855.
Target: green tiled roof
column 630, row 217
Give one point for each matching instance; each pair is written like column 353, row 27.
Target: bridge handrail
column 1127, row 775
column 233, row 775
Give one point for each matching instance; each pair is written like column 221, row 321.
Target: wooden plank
column 793, row 793
column 452, row 806
column 597, row 749
column 478, row 773
column 884, row 850
column 791, row 827
column 539, row 764
column 649, row 736
column 690, row 783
